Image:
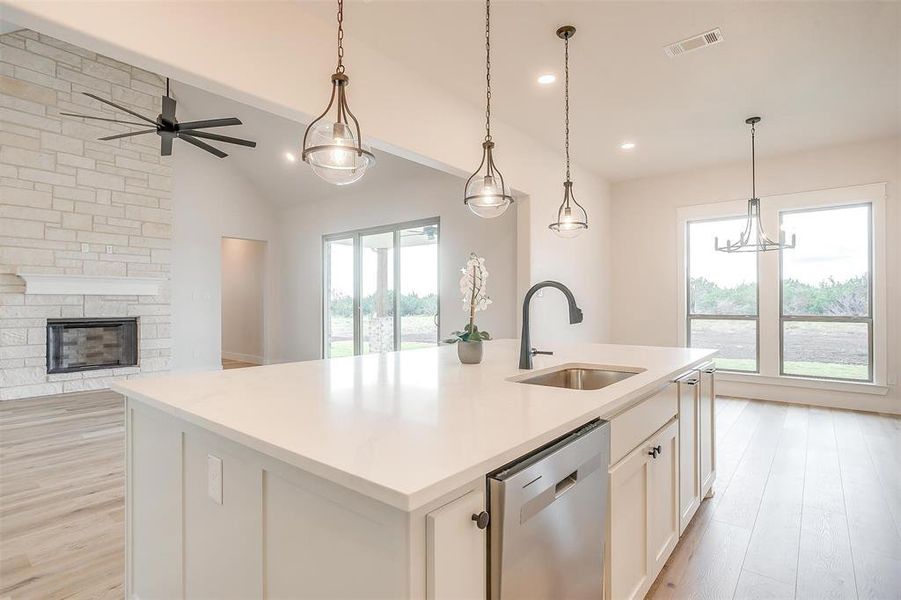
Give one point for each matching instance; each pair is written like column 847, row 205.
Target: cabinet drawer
column 637, row 424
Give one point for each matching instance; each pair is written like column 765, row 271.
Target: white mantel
column 90, row 285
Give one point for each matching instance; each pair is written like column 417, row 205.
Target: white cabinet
column 630, row 571
column 644, row 523
column 663, row 514
column 456, row 550
column 689, row 451
column 706, row 427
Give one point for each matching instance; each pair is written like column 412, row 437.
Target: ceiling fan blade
column 210, row 123
column 129, row 134
column 202, row 145
column 68, row 114
column 122, row 108
column 168, row 109
column 221, row 138
column 166, row 145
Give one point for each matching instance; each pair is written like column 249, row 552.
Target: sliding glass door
column 362, row 273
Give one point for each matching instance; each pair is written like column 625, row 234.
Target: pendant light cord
column 753, row 164
column 566, row 99
column 487, row 70
column 340, row 67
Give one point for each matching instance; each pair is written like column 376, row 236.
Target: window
column 362, row 273
column 813, row 312
column 826, row 294
column 722, row 297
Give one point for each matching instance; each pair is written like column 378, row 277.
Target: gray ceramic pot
column 469, row 353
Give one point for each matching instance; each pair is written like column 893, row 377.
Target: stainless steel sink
column 578, row 378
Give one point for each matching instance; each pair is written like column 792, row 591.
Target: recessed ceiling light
column 547, row 79
column 290, row 157
column 627, row 145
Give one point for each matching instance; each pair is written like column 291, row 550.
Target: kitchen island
column 357, row 477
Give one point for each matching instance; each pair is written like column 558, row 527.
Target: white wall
column 211, row 201
column 423, row 194
column 243, row 283
column 645, row 283
column 286, row 73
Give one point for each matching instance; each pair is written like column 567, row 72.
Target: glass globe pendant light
column 335, row 149
column 485, row 193
column 753, row 238
column 572, row 219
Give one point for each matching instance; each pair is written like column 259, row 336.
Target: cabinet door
column 455, row 546
column 630, row 570
column 663, row 505
column 707, row 437
column 689, row 472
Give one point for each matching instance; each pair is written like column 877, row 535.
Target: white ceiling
column 818, row 73
column 283, row 182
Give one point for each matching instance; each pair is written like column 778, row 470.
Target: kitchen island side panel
column 279, row 532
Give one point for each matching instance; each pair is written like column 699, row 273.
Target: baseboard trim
column 811, row 397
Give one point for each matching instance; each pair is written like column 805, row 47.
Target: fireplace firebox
column 89, row 344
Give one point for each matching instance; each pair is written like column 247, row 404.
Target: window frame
column 690, row 316
column 356, row 236
column 769, row 277
column 868, row 319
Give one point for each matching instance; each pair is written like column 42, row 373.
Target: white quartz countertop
column 406, row 427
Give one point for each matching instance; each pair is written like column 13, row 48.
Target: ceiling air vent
column 695, row 42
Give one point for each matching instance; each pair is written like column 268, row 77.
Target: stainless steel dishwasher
column 548, row 516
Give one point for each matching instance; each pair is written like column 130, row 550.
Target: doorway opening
column 243, row 302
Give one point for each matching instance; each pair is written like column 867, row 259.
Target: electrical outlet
column 85, row 247
column 214, row 478
column 109, row 249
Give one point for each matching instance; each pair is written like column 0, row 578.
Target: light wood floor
column 229, row 363
column 807, row 504
column 62, row 505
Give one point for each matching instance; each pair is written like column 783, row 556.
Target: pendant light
column 753, row 238
column 572, row 219
column 485, row 193
column 335, row 149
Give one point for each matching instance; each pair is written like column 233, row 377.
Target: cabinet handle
column 481, row 519
column 658, row 449
column 655, row 450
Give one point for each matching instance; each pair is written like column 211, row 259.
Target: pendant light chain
column 488, row 70
column 566, row 99
column 753, row 163
column 340, row 68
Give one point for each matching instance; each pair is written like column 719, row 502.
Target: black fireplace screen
column 87, row 344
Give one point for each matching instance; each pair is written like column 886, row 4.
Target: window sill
column 805, row 382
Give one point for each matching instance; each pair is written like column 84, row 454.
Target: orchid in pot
column 473, row 286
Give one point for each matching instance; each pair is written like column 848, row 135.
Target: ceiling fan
column 168, row 128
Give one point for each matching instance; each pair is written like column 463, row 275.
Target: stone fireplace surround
column 76, row 207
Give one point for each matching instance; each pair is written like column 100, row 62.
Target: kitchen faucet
column 526, row 352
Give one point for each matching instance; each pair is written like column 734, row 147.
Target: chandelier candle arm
column 485, row 193
column 572, row 218
column 335, row 150
column 753, row 238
